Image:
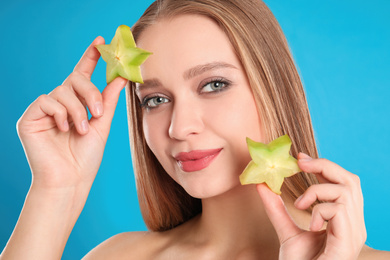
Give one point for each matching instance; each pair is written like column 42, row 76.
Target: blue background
column 341, row 49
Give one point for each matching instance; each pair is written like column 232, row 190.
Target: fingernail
column 66, row 125
column 99, row 108
column 304, row 157
column 123, row 81
column 298, row 200
column 84, row 126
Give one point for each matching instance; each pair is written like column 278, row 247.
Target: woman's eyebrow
column 149, row 83
column 188, row 74
column 199, row 69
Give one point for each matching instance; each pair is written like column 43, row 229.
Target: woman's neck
column 236, row 219
column 233, row 225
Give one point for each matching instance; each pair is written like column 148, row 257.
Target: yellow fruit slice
column 271, row 163
column 122, row 56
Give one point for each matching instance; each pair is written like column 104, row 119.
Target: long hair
column 264, row 53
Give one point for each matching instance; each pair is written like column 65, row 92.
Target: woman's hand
column 345, row 232
column 63, row 147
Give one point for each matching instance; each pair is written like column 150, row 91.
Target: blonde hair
column 264, row 53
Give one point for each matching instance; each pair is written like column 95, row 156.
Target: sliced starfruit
column 271, row 163
column 122, row 56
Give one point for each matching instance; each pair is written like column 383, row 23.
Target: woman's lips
column 196, row 160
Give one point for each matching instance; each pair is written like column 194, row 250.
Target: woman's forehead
column 186, row 41
column 170, row 26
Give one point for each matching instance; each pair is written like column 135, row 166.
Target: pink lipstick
column 196, row 160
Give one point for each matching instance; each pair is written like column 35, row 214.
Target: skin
column 194, row 117
column 237, row 222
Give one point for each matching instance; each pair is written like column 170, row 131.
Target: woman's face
column 198, row 108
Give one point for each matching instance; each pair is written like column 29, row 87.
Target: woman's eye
column 154, row 102
column 213, row 86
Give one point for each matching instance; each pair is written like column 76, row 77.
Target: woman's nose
column 186, row 120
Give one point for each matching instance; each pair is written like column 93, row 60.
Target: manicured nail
column 304, row 157
column 84, row 126
column 99, row 108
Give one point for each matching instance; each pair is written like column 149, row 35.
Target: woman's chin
column 210, row 189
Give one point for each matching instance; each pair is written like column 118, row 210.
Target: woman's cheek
column 156, row 136
column 152, row 133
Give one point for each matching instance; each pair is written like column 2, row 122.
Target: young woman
column 220, row 71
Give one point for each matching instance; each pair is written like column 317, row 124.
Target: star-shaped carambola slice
column 122, row 56
column 271, row 163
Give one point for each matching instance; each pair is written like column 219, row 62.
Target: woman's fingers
column 334, row 212
column 88, row 92
column 338, row 186
column 80, row 79
column 101, row 105
column 88, row 61
column 75, row 109
column 342, row 206
column 70, row 100
column 42, row 107
column 334, row 195
column 277, row 213
column 326, row 170
column 78, row 91
column 82, row 92
column 110, row 98
column 322, row 192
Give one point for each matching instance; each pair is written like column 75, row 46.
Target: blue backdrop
column 341, row 49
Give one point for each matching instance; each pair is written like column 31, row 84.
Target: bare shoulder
column 137, row 245
column 143, row 245
column 369, row 253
